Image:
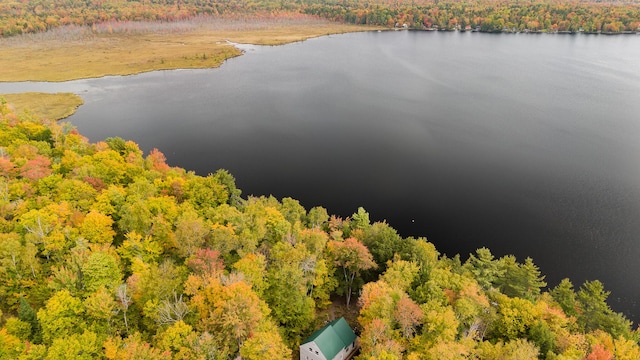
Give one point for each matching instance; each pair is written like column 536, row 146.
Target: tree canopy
column 108, row 253
column 18, row 17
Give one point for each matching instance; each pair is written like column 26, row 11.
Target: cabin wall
column 310, row 351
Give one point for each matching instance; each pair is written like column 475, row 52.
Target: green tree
column 592, row 299
column 317, row 217
column 190, row 234
column 384, row 243
column 595, row 313
column 533, row 280
column 323, row 283
column 27, row 314
column 542, row 336
column 135, row 216
column 292, row 210
column 360, row 219
column 151, row 286
column 520, row 280
column 485, row 269
column 101, row 270
column 287, row 295
column 227, row 180
column 19, row 267
column 565, row 296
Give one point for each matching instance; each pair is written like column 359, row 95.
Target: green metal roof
column 332, row 338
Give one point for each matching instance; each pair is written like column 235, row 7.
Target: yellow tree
column 518, row 349
column 254, row 269
column 515, row 317
column 61, row 317
column 440, row 325
column 97, row 228
column 132, row 348
column 238, row 312
column 230, row 313
column 265, row 343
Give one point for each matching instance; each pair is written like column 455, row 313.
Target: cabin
column 335, row 341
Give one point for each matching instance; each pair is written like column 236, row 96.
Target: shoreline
column 221, row 49
column 50, row 58
column 55, row 59
column 521, row 32
column 43, row 105
column 95, row 55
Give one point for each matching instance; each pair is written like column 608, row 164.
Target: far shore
column 80, row 52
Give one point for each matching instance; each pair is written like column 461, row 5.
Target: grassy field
column 129, row 48
column 45, row 106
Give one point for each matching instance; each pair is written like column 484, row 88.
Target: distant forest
column 18, row 17
column 106, row 252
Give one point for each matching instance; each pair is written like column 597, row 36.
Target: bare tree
column 172, row 311
column 124, row 300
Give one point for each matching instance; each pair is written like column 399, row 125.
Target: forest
column 106, row 252
column 610, row 17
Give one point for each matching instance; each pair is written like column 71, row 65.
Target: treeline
column 18, row 17
column 107, row 253
column 487, row 16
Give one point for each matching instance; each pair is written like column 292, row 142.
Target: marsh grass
column 43, row 105
column 124, row 48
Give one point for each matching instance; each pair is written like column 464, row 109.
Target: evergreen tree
column 28, row 315
column 485, row 269
column 565, row 296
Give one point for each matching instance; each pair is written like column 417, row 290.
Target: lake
column 525, row 144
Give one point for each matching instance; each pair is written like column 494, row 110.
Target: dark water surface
column 526, row 144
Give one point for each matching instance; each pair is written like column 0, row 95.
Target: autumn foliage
column 20, row 17
column 107, row 253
